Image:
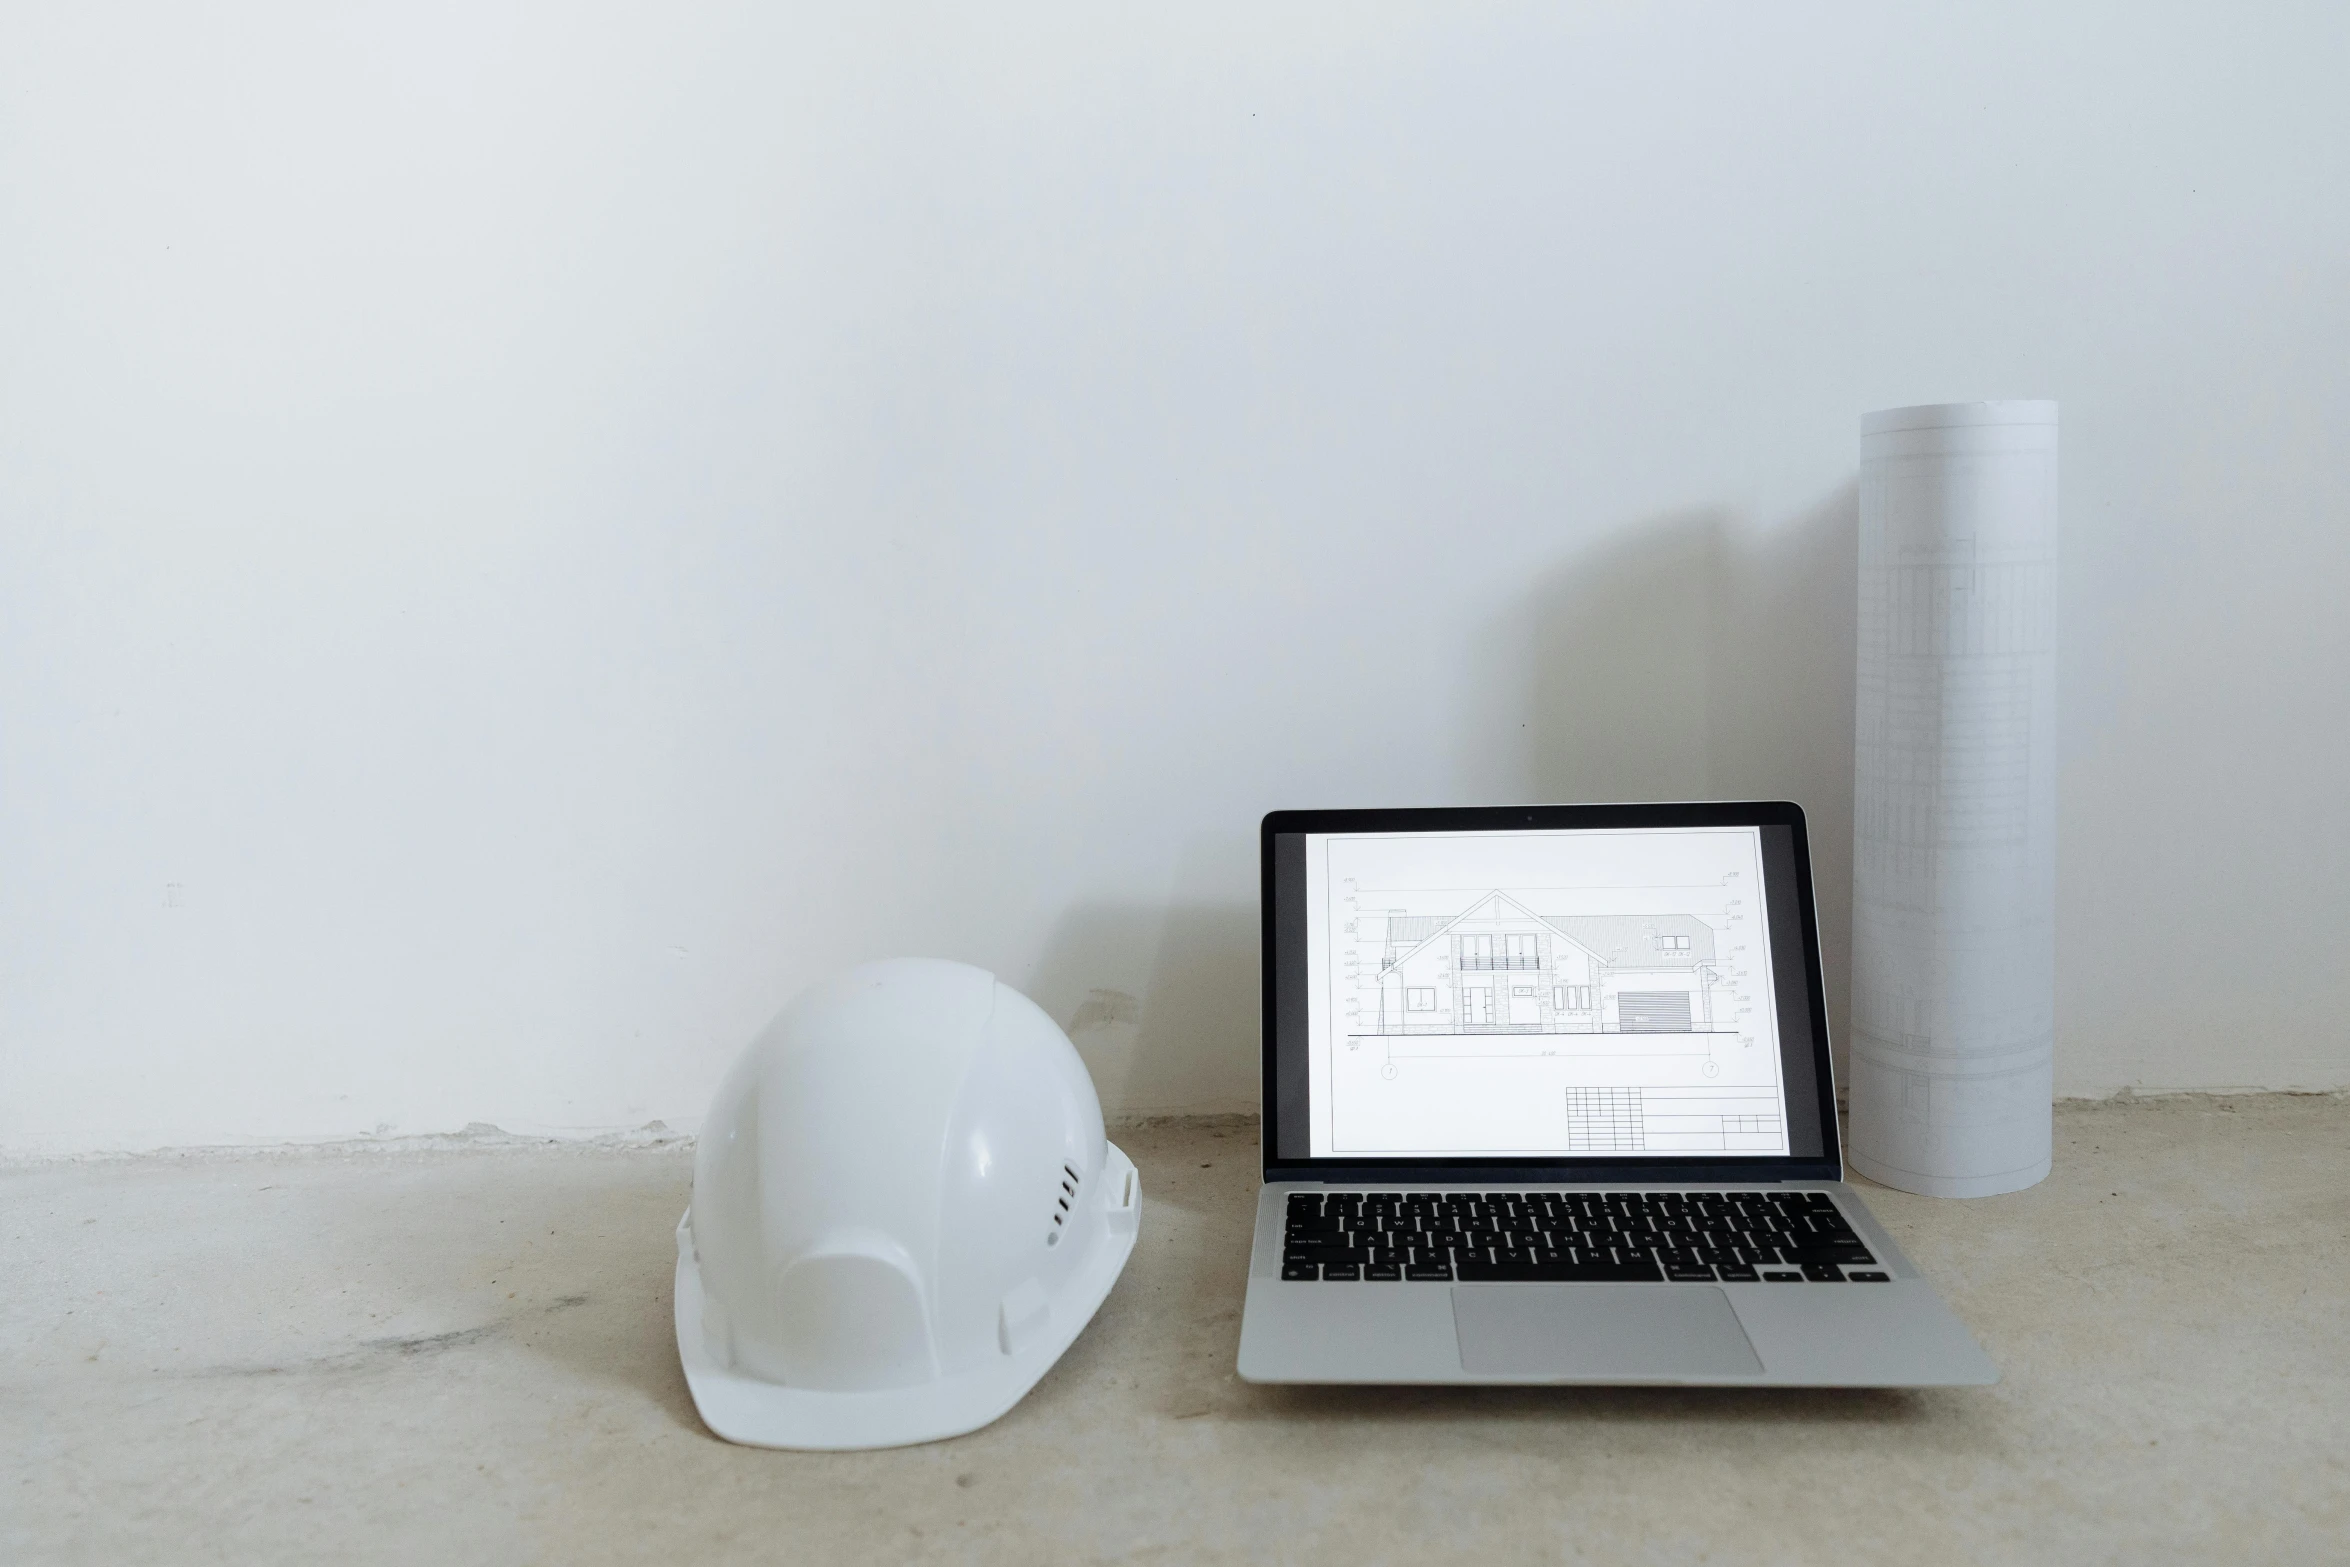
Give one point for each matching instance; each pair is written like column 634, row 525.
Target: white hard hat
column 904, row 1211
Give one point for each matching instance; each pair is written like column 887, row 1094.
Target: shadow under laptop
column 1679, row 1406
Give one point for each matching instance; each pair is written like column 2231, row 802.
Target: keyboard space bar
column 1558, row 1273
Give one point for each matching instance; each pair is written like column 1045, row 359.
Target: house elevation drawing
column 1497, row 967
column 1587, row 992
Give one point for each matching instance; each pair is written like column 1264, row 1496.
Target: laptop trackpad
column 1632, row 1331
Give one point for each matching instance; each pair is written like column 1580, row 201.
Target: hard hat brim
column 759, row 1413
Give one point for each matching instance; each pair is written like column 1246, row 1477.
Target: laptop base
column 1895, row 1333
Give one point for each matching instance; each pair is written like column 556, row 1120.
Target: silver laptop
column 1547, row 1099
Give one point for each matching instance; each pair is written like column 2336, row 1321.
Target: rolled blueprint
column 1954, row 799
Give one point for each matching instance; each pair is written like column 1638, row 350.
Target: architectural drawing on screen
column 1506, row 992
column 1499, row 966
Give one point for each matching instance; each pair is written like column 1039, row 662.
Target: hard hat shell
column 904, row 1210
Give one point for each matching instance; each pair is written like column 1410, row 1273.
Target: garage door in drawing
column 1653, row 1011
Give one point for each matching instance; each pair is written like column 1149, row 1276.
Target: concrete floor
column 465, row 1356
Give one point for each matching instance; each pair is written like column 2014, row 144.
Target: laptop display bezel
column 1283, row 1164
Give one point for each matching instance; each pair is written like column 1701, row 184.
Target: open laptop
column 1547, row 1099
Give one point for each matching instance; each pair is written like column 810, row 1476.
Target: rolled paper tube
column 1954, row 799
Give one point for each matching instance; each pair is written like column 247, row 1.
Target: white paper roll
column 1954, row 799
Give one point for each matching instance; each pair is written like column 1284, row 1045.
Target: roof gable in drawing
column 1616, row 940
column 1495, row 905
column 1437, row 924
column 1629, row 940
column 1409, row 930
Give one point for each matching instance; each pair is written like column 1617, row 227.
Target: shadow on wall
column 1689, row 658
column 1182, row 1038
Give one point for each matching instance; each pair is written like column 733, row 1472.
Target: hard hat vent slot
column 1070, row 1180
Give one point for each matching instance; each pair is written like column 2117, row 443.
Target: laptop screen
column 1535, row 994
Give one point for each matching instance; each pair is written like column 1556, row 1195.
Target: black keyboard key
column 1822, row 1273
column 1689, row 1272
column 1599, row 1272
column 1808, row 1255
column 1383, row 1270
column 1775, row 1276
column 1868, row 1278
column 1736, row 1273
column 1428, row 1269
column 1322, row 1254
column 1300, row 1271
column 1342, row 1270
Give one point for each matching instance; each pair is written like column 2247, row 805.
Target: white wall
column 532, row 532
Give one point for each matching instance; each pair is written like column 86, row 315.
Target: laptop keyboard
column 1588, row 1237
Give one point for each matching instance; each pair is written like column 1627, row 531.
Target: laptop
column 1547, row 1099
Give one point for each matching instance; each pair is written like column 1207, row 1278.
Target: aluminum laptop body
column 1547, row 1099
